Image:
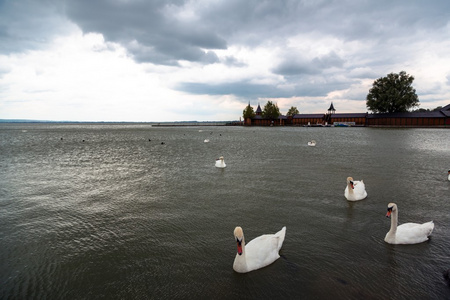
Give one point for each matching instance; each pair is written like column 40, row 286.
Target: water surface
column 107, row 211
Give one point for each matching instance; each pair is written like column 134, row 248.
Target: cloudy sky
column 180, row 60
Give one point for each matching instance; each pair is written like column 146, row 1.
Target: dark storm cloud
column 233, row 62
column 157, row 26
column 156, row 35
column 252, row 22
column 242, row 89
column 294, row 64
column 247, row 90
column 28, row 25
column 166, row 32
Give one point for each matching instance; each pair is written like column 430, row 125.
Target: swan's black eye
column 389, row 208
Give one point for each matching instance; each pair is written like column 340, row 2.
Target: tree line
column 389, row 94
column 270, row 111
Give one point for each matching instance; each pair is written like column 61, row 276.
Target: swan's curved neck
column 394, row 221
column 240, row 262
column 243, row 249
column 350, row 189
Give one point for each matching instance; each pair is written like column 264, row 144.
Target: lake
column 131, row 211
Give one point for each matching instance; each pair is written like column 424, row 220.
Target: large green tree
column 271, row 111
column 292, row 111
column 393, row 93
column 248, row 112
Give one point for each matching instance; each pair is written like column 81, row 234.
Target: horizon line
column 148, row 122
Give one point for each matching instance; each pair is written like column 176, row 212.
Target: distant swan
column 220, row 163
column 407, row 233
column 206, row 140
column 259, row 252
column 449, row 175
column 312, row 143
column 355, row 190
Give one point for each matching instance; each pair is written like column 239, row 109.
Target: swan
column 220, row 163
column 206, row 141
column 355, row 190
column 312, row 143
column 259, row 252
column 449, row 175
column 407, row 233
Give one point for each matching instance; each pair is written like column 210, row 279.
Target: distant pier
column 176, row 124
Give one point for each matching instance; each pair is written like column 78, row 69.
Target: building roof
column 331, row 107
column 259, row 117
column 349, row 115
column 425, row 114
column 442, row 113
column 308, row 116
column 446, row 110
column 320, row 116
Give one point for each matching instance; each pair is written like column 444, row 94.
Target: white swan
column 220, row 163
column 206, row 141
column 312, row 143
column 259, row 252
column 407, row 233
column 355, row 190
column 449, row 175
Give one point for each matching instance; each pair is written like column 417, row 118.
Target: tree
column 271, row 111
column 427, row 109
column 292, row 111
column 393, row 93
column 248, row 112
column 421, row 110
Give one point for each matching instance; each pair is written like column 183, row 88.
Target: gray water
column 108, row 212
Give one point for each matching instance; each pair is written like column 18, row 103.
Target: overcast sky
column 176, row 60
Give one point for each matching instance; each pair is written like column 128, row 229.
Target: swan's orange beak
column 351, row 183
column 239, row 246
column 388, row 214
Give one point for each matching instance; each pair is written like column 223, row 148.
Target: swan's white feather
column 220, row 162
column 357, row 193
column 407, row 233
column 259, row 252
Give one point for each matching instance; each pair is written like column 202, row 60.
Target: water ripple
column 122, row 216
